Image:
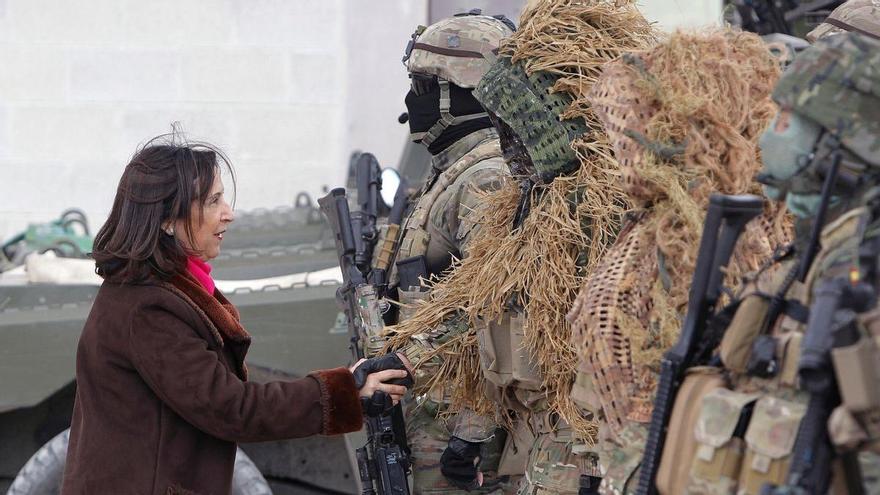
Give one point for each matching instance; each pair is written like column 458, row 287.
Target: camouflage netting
column 685, row 119
column 539, row 266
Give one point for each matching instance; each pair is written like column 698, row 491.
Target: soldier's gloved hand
column 589, row 485
column 460, row 464
column 385, row 374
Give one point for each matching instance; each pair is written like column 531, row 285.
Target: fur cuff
column 340, row 401
column 179, row 490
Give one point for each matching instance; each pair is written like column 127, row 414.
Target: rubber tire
column 41, row 474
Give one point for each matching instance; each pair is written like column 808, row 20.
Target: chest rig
column 415, row 236
column 738, row 422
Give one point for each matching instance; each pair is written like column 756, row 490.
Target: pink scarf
column 201, row 271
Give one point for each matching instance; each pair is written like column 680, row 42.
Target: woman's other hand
column 388, row 373
column 378, row 381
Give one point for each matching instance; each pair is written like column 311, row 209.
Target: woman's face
column 207, row 233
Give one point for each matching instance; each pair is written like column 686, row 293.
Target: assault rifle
column 832, row 324
column 383, row 463
column 725, row 221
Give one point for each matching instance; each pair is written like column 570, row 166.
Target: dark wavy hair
column 165, row 178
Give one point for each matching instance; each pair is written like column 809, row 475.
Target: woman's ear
column 168, row 227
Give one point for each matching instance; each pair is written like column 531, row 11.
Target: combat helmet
column 858, row 16
column 457, row 50
column 835, row 83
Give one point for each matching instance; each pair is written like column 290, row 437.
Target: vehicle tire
column 246, row 478
column 41, row 474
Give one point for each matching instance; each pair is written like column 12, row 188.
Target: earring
column 170, row 230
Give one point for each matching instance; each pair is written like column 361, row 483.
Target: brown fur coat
column 162, row 394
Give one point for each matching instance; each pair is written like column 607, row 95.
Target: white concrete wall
column 286, row 87
column 671, row 14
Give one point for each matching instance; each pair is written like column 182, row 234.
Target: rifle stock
column 725, row 220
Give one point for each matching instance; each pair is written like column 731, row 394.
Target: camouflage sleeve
column 452, row 220
column 451, row 225
column 472, row 427
column 420, row 348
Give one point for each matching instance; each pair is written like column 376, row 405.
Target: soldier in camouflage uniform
column 629, row 303
column 733, row 427
column 445, row 62
column 537, row 147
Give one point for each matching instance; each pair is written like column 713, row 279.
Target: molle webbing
column 414, row 235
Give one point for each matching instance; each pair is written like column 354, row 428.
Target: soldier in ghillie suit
column 501, row 344
column 790, row 394
column 684, row 119
column 445, row 62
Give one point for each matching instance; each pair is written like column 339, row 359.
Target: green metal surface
column 293, row 331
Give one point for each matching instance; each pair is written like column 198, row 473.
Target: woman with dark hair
column 162, row 393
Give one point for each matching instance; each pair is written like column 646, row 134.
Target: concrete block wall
column 286, row 87
column 672, row 14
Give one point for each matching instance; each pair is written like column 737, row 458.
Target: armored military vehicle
column 285, row 290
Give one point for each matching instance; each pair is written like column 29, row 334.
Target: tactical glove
column 589, row 485
column 387, row 362
column 460, row 463
column 380, row 402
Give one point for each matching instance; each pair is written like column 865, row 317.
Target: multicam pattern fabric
column 439, row 227
column 555, row 467
column 525, row 103
column 440, row 223
column 428, row 434
column 459, row 49
column 834, row 83
column 448, row 225
column 860, row 16
column 620, row 458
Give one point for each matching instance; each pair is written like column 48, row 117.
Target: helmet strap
column 828, row 158
column 446, row 117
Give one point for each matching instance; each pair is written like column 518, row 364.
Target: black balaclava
column 424, row 112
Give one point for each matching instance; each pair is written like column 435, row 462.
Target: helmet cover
column 459, row 49
column 859, row 16
column 836, row 84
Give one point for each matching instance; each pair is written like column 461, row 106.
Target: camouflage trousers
column 428, row 436
column 555, row 465
column 869, row 463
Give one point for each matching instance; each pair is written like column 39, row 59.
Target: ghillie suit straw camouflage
column 684, row 119
column 536, row 267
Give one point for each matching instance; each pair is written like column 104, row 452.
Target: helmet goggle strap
column 446, row 118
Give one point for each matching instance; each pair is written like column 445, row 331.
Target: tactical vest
column 731, row 431
column 415, row 236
